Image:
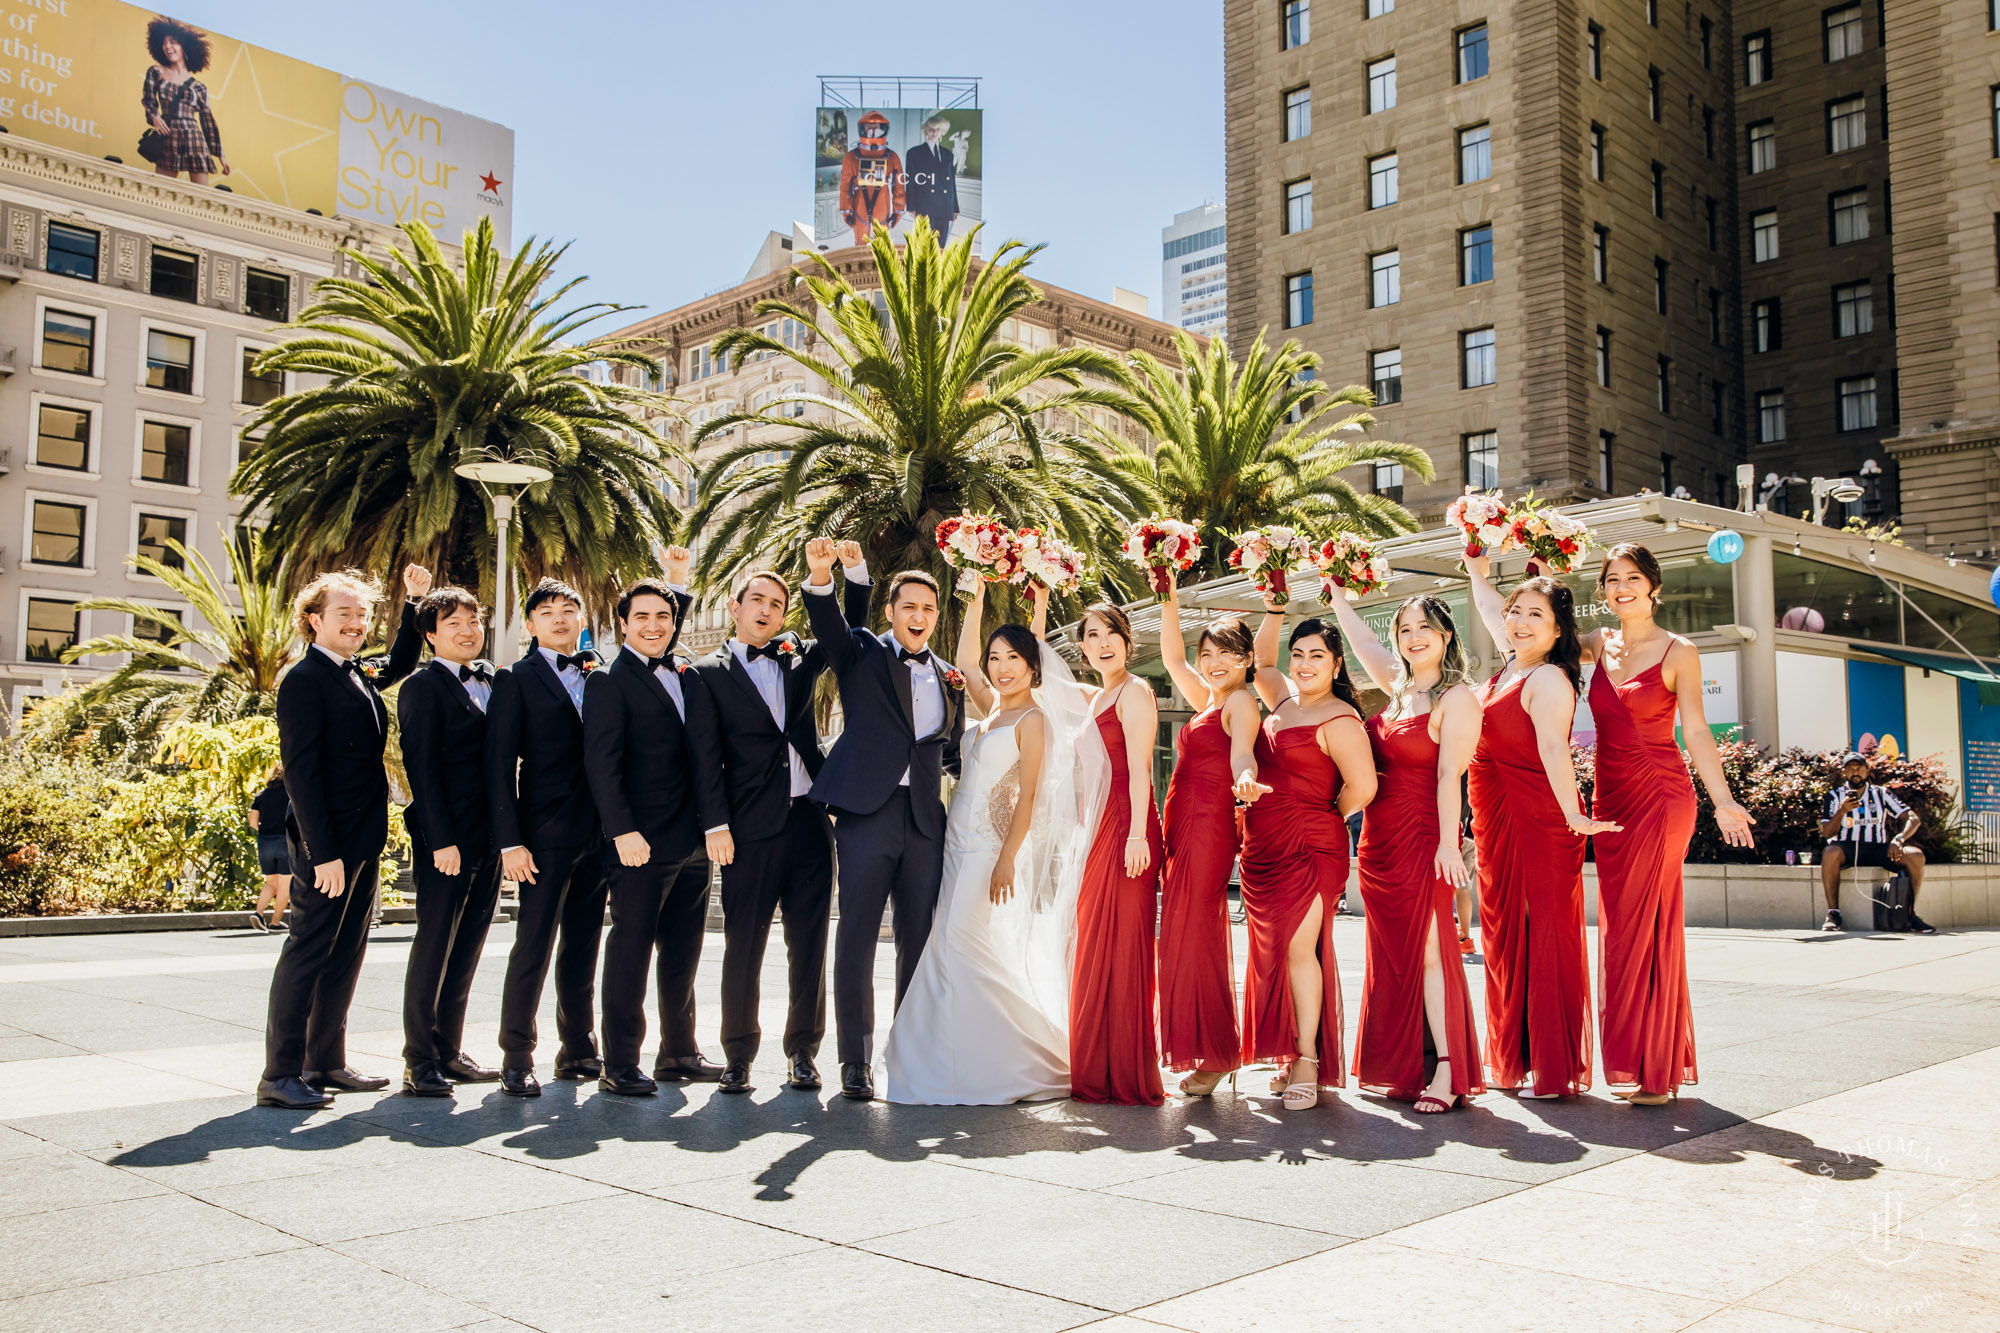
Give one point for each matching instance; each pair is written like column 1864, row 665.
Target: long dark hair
column 1568, row 650
column 1640, row 559
column 1023, row 641
column 1343, row 684
column 1231, row 635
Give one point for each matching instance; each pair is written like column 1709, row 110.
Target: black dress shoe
column 687, row 1069
column 520, row 1083
column 805, row 1074
column 292, row 1094
column 735, row 1078
column 425, row 1080
column 626, row 1081
column 461, row 1069
column 579, row 1067
column 343, row 1079
column 857, row 1084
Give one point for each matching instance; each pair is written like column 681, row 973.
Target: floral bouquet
column 1050, row 562
column 1266, row 553
column 979, row 546
column 1163, row 547
column 1349, row 563
column 1553, row 540
column 1483, row 521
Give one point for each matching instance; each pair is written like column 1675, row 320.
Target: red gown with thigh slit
column 1197, row 990
column 1407, row 906
column 1530, row 909
column 1646, row 1024
column 1294, row 852
column 1113, row 1054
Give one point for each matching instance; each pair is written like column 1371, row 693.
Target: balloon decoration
column 1726, row 547
column 1804, row 619
column 1993, row 587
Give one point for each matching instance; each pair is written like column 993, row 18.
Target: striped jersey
column 1868, row 821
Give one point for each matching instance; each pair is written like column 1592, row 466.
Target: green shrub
column 57, row 851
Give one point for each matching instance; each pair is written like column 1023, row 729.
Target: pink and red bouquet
column 1164, row 548
column 1482, row 520
column 1050, row 562
column 1349, row 563
column 1553, row 540
column 1267, row 553
column 980, row 547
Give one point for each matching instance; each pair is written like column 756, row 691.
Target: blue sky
column 666, row 139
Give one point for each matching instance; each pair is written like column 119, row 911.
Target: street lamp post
column 497, row 476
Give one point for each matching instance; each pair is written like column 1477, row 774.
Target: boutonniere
column 588, row 665
column 370, row 671
column 786, row 648
column 954, row 678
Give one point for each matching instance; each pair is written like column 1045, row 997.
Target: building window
column 1604, row 358
column 1707, row 44
column 1385, row 278
column 1715, row 406
column 258, row 387
column 1666, row 474
column 1653, row 93
column 1385, row 370
column 56, row 534
column 1295, row 23
column 267, row 295
column 158, row 631
column 1606, row 443
column 1597, row 152
column 1756, row 58
column 52, row 629
column 1764, row 236
column 1853, row 310
column 1472, row 53
column 164, row 453
column 1709, row 204
column 1653, row 13
column 1377, row 8
column 1659, row 191
column 1389, row 482
column 1849, row 210
column 1767, row 328
column 1298, row 300
column 1600, row 254
column 174, row 275
column 155, row 531
column 1593, row 46
column 1475, row 152
column 72, row 251
column 1477, row 362
column 1771, row 417
column 62, row 438
column 1298, row 412
column 1995, row 90
column 1298, row 113
column 1666, row 393
column 1475, row 248
column 1660, row 271
column 1383, row 185
column 69, row 342
column 1857, row 403
column 1298, row 206
column 1381, row 84
column 1763, row 146
column 1843, row 32
column 169, row 361
column 1846, row 123
column 1708, row 133
column 1715, row 316
column 1480, row 453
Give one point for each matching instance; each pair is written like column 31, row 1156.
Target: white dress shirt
column 664, row 672
column 926, row 691
column 479, row 691
column 570, row 677
column 354, row 677
column 769, row 678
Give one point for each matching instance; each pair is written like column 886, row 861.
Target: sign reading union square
column 97, row 76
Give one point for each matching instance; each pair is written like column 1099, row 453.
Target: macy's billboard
column 112, row 80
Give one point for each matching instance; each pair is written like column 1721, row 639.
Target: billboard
column 112, row 80
column 887, row 166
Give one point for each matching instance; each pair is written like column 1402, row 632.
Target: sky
column 666, row 139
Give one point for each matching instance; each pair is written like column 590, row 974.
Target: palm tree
column 427, row 366
column 928, row 413
column 1246, row 445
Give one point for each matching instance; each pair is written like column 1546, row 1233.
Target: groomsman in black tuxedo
column 332, row 729
column 905, row 713
column 770, row 837
column 649, row 781
column 442, row 712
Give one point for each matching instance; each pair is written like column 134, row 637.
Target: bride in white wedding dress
column 985, row 1020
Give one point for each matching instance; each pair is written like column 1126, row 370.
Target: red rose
column 786, row 647
column 954, row 678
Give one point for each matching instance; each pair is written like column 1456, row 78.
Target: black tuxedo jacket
column 331, row 737
column 536, row 790
column 444, row 753
column 932, row 187
column 738, row 727
column 879, row 740
column 646, row 775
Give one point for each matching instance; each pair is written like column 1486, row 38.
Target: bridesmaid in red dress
column 1416, row 1040
column 1313, row 770
column 1113, row 1054
column 1646, row 680
column 1197, row 991
column 1529, row 827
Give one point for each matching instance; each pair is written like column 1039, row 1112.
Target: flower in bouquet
column 1553, row 540
column 979, row 546
column 1050, row 562
column 1349, row 563
column 1481, row 519
column 1163, row 547
column 1267, row 553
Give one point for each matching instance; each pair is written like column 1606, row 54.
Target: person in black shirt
column 267, row 821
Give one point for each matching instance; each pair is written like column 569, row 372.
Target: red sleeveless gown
column 1197, row 990
column 1407, row 903
column 1646, row 1024
column 1113, row 1055
column 1530, row 909
column 1294, row 850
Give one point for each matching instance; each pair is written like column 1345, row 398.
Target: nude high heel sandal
column 1202, row 1083
column 1303, row 1096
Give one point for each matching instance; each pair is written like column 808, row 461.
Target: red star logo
column 490, row 183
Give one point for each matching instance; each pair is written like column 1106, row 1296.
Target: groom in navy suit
column 905, row 712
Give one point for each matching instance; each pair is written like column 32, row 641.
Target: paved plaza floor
column 1837, row 1167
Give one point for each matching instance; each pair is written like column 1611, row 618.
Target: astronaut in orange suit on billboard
column 871, row 180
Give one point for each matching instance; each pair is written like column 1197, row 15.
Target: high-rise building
column 1591, row 251
column 1194, row 272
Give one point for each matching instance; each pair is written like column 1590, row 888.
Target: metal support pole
column 503, row 638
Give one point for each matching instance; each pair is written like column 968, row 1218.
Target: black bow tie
column 755, row 651
column 577, row 660
column 921, row 655
column 481, row 670
column 351, row 665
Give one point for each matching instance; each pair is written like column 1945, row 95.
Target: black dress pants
column 883, row 857
column 791, row 872
column 318, row 967
column 454, row 912
column 561, row 916
column 661, row 905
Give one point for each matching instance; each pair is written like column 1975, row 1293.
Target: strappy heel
column 1429, row 1104
column 1302, row 1096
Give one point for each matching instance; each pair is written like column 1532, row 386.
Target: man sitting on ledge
column 1856, row 829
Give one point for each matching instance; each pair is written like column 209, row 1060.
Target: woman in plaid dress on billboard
column 184, row 137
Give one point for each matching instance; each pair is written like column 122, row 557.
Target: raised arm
column 978, row 691
column 1139, row 718
column 1459, row 719
column 1731, row 818
column 1376, row 660
column 1273, row 687
column 1551, row 705
column 1030, row 733
column 842, row 642
column 1487, row 601
column 1173, row 651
